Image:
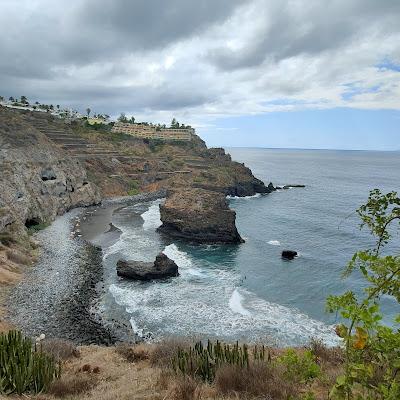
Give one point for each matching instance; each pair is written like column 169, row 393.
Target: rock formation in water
column 199, row 215
column 289, row 254
column 163, row 267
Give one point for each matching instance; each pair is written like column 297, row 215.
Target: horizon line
column 308, row 148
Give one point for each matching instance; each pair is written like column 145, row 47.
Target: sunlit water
column 247, row 291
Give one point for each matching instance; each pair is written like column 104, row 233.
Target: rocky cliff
column 199, row 215
column 38, row 180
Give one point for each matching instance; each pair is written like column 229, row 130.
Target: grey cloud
column 92, row 31
column 314, row 30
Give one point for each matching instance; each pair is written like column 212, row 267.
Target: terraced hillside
column 120, row 164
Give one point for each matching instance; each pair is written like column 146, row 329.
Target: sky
column 259, row 73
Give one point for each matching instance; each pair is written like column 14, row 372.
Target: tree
column 11, row 98
column 88, row 111
column 132, row 120
column 173, row 123
column 1, row 98
column 24, row 100
column 372, row 350
column 122, row 118
column 58, row 106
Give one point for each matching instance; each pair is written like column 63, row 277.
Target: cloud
column 202, row 60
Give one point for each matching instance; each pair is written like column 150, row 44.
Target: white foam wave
column 243, row 197
column 235, row 303
column 183, row 261
column 151, row 217
column 215, row 307
column 274, row 242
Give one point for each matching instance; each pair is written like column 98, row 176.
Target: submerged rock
column 289, row 254
column 163, row 267
column 199, row 215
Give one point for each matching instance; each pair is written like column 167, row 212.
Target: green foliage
column 134, row 188
column 203, row 361
column 300, row 368
column 372, row 350
column 24, row 368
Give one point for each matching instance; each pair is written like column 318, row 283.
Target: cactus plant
column 23, row 367
column 203, row 361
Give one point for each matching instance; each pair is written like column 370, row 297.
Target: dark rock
column 289, row 254
column 163, row 267
column 199, row 215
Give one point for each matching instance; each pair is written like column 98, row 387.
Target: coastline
column 64, row 302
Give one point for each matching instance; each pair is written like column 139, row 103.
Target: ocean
column 247, row 292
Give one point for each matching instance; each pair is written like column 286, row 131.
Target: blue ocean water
column 247, row 292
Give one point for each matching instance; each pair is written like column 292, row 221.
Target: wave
column 151, row 217
column 274, row 242
column 244, row 197
column 235, row 303
column 212, row 306
column 182, row 260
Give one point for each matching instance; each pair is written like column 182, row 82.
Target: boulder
column 162, row 267
column 199, row 215
column 289, row 254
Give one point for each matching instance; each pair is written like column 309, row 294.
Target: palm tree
column 88, row 111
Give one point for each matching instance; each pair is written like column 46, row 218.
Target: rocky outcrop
column 163, row 267
column 229, row 177
column 289, row 254
column 199, row 215
column 38, row 181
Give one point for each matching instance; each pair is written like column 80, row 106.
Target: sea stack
column 199, row 215
column 163, row 267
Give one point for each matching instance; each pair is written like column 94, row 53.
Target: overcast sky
column 270, row 73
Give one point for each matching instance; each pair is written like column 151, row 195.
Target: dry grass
column 60, row 349
column 163, row 352
column 185, row 388
column 18, row 257
column 259, row 380
column 133, row 353
column 72, row 385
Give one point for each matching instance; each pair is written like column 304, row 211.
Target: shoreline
column 64, row 303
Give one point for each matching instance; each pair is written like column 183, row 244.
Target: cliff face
column 199, row 215
column 38, row 180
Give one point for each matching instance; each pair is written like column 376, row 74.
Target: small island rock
column 289, row 254
column 199, row 215
column 163, row 267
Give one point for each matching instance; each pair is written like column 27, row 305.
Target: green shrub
column 371, row 349
column 23, row 367
column 300, row 368
column 133, row 187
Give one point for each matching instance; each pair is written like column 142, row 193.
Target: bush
column 260, row 379
column 24, row 368
column 164, row 352
column 59, row 349
column 300, row 368
column 132, row 353
column 74, row 385
column 331, row 355
column 7, row 239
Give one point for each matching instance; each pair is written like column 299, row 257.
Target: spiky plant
column 24, row 368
